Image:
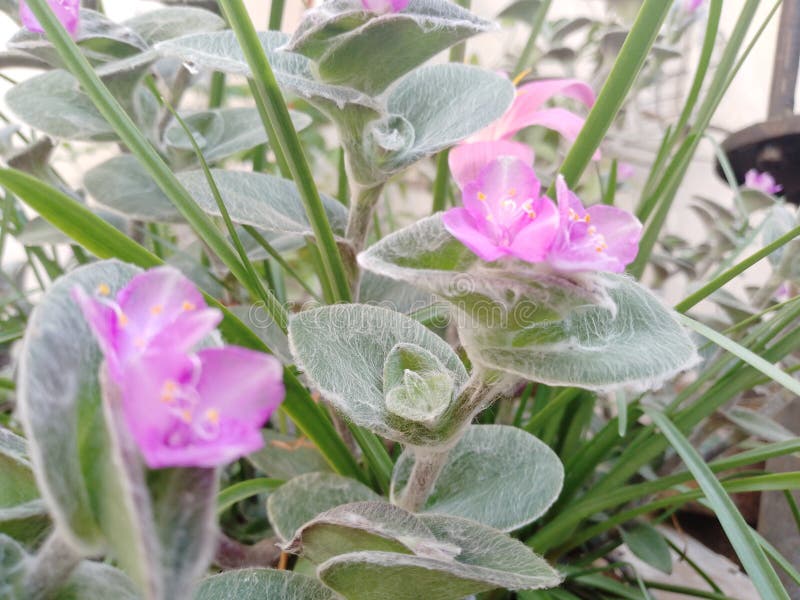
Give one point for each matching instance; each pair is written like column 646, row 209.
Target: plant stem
column 428, row 464
column 51, row 568
column 536, row 27
column 216, row 95
column 361, row 207
column 440, row 183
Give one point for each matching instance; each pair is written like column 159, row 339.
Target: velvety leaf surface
column 486, row 559
column 174, row 21
column 367, row 52
column 97, row 581
column 262, row 584
column 301, row 499
column 285, row 457
column 264, row 201
column 595, row 330
column 343, row 350
column 500, row 476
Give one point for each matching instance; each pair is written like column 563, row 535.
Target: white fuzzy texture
column 262, row 584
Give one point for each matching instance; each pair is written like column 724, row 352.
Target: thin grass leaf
column 244, row 490
column 740, row 535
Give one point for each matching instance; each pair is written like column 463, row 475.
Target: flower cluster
column 505, row 212
column 67, row 11
column 182, row 407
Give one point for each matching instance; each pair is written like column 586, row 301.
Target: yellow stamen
column 168, row 391
column 103, row 289
column 212, row 415
column 592, row 230
column 481, row 196
column 156, row 310
column 186, row 416
column 516, row 81
column 512, row 193
column 188, row 306
column 587, row 218
column 122, row 319
column 509, row 204
column 531, row 213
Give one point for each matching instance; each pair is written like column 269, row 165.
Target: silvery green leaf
column 361, row 50
column 500, row 476
column 596, row 330
column 175, row 21
column 343, row 351
column 392, row 294
column 54, row 103
column 417, row 385
column 779, row 221
column 57, row 404
column 159, row 528
column 23, row 515
column 285, row 457
column 262, row 584
column 13, row 568
column 259, row 321
column 264, row 201
column 366, row 526
column 38, row 232
column 220, row 51
column 100, row 39
column 759, row 425
column 97, row 581
column 26, row 522
column 487, row 559
column 430, row 109
column 224, row 132
column 301, row 499
column 649, row 545
column 521, row 10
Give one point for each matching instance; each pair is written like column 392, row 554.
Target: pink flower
column 182, row 408
column 385, row 6
column 762, row 181
column 67, row 11
column 504, row 213
column 200, row 410
column 600, row 238
column 625, row 171
column 692, row 5
column 158, row 310
column 468, row 158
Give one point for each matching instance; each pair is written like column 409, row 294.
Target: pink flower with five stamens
column 504, row 213
column 762, row 181
column 182, row 408
column 67, row 11
column 528, row 109
column 600, row 238
column 384, row 6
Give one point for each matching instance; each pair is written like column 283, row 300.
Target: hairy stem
column 361, row 207
column 428, row 464
column 51, row 568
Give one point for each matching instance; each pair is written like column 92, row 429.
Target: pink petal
column 102, row 320
column 384, row 6
column 529, row 100
column 563, row 121
column 163, row 307
column 67, row 11
column 534, row 241
column 497, row 178
column 468, row 160
column 460, row 223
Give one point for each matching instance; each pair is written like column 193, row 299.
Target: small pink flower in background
column 762, row 181
column 504, row 213
column 600, row 238
column 469, row 157
column 182, row 408
column 385, row 6
column 67, row 11
column 692, row 5
column 625, row 171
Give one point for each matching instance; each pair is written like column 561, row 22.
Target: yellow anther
column 156, row 310
column 168, row 391
column 103, row 289
column 592, row 230
column 587, row 218
column 122, row 319
column 512, row 193
column 186, row 416
column 573, row 216
column 516, row 81
column 481, row 196
column 187, row 306
column 212, row 415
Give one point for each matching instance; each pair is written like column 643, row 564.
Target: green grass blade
column 287, row 140
column 751, row 358
column 629, row 62
column 244, row 490
column 747, row 547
